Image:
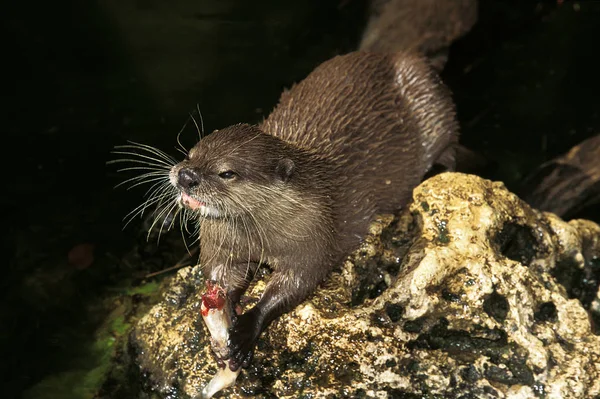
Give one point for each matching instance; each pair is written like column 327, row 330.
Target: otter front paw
column 242, row 338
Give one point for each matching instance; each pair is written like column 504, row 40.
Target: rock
column 465, row 294
column 426, row 26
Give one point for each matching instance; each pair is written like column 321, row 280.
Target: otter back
column 382, row 120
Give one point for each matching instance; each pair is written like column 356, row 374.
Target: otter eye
column 229, row 174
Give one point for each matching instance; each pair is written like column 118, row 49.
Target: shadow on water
column 86, row 76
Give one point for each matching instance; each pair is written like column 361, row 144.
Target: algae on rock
column 468, row 291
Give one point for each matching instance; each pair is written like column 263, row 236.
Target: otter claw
column 247, row 360
column 240, row 360
column 233, row 348
column 242, row 338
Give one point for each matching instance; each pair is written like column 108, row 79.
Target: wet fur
column 350, row 141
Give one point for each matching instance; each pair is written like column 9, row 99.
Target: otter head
column 232, row 171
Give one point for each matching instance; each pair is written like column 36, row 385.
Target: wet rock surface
column 464, row 294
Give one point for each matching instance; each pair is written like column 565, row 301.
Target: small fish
column 216, row 312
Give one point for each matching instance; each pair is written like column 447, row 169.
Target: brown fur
column 424, row 26
column 350, row 141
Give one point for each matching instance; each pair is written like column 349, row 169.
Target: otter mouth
column 195, row 205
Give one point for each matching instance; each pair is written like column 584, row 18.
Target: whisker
column 160, row 191
column 140, row 209
column 188, row 216
column 141, row 168
column 185, row 150
column 165, row 210
column 159, row 163
column 259, row 231
column 182, row 221
column 156, row 193
column 185, row 153
column 158, row 157
column 196, row 123
column 150, row 149
column 245, row 142
column 146, row 178
column 154, row 181
column 201, row 121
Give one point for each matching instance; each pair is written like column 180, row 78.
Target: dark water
column 81, row 77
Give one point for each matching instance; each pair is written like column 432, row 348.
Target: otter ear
column 285, row 168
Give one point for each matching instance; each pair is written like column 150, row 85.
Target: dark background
column 83, row 76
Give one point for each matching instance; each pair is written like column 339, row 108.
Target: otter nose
column 188, row 178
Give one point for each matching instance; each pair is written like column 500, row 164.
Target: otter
column 297, row 192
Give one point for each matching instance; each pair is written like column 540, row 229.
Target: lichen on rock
column 466, row 293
